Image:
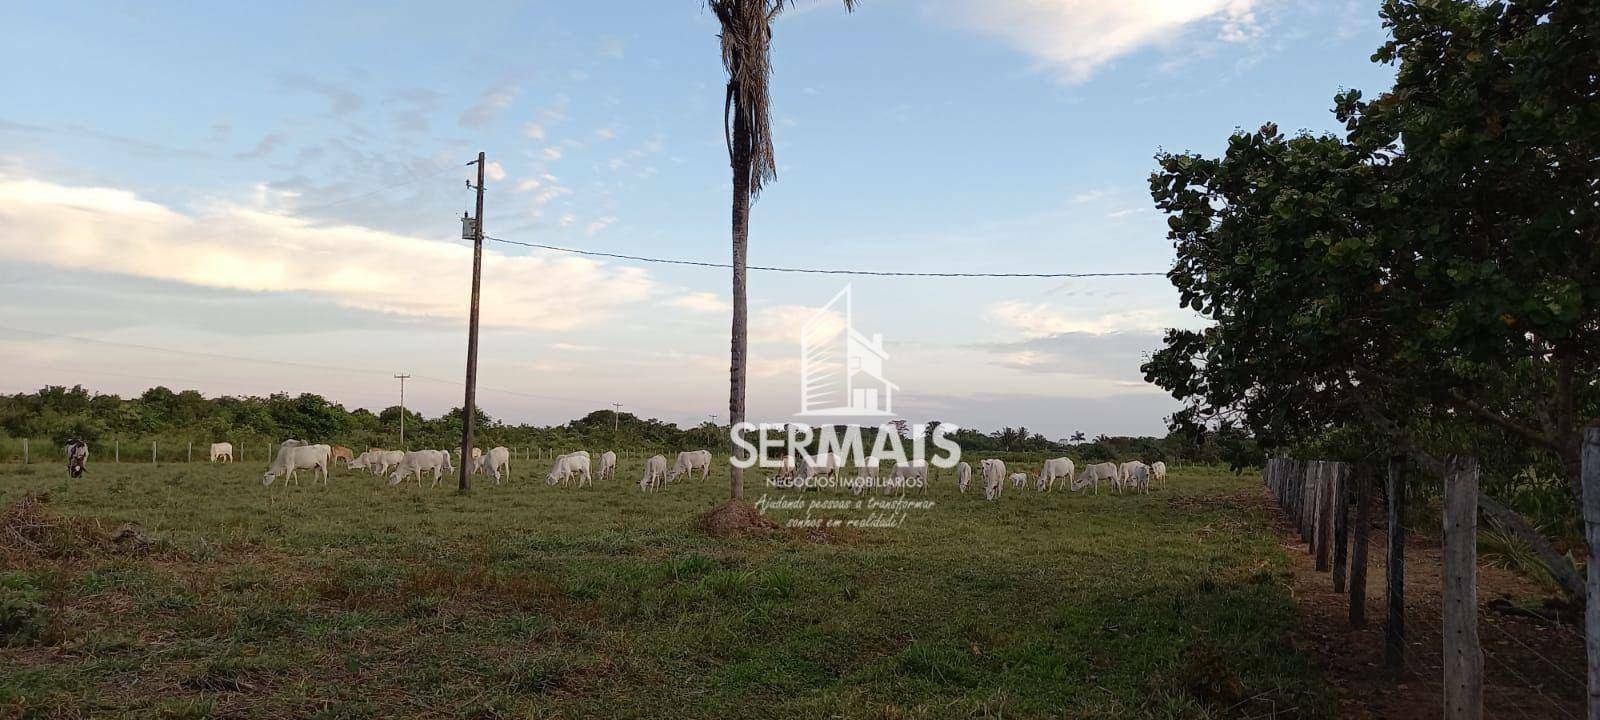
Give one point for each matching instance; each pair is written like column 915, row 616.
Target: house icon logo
column 841, row 370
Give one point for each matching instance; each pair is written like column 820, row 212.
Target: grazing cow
column 222, row 451
column 1093, row 474
column 1061, row 468
column 963, row 475
column 1158, row 473
column 690, row 461
column 608, row 465
column 388, row 460
column 825, row 465
column 1125, row 471
column 365, row 461
column 415, row 463
column 912, row 473
column 497, row 463
column 994, row 478
column 448, row 467
column 340, row 452
column 1019, row 479
column 295, row 455
column 567, row 466
column 1138, row 478
column 77, row 457
column 655, row 473
column 477, row 461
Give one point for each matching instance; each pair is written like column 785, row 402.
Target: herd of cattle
column 576, row 468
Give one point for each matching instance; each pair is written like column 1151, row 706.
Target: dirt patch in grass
column 734, row 518
column 1533, row 668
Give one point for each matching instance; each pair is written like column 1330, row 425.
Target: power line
column 823, row 271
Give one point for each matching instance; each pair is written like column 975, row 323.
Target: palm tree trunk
column 741, row 245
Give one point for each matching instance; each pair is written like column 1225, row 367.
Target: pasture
column 362, row 600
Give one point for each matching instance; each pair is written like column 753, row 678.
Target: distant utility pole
column 713, row 417
column 402, row 378
column 615, row 407
column 467, row 410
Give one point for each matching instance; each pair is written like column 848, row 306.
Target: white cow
column 994, row 478
column 608, row 465
column 222, row 451
column 497, row 463
column 1125, row 472
column 1138, row 477
column 366, row 461
column 447, row 466
column 963, row 475
column 417, row 462
column 1093, row 474
column 567, row 466
column 388, row 460
column 1158, row 473
column 912, row 473
column 1019, row 479
column 824, row 465
column 655, row 473
column 295, row 455
column 1057, row 468
column 690, row 461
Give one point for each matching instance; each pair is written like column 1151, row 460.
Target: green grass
column 360, row 600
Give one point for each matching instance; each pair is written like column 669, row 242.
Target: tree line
column 58, row 413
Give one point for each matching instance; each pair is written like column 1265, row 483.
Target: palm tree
column 747, row 129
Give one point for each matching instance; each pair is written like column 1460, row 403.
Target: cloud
column 605, row 134
column 493, row 101
column 552, row 153
column 494, row 172
column 1074, row 38
column 611, row 47
column 533, row 131
column 1036, row 319
column 700, row 302
column 341, row 101
column 570, row 347
column 247, row 248
column 1088, row 196
column 1112, row 355
column 263, row 148
column 597, row 225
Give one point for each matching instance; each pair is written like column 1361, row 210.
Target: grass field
column 360, row 600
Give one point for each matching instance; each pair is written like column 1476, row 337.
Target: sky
column 248, row 198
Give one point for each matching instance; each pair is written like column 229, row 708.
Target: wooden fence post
column 1341, row 527
column 1463, row 655
column 1394, row 570
column 191, row 451
column 1591, row 530
column 24, row 451
column 1326, row 493
column 152, row 452
column 116, row 447
column 1358, row 551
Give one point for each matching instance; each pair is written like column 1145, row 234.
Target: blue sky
column 282, row 182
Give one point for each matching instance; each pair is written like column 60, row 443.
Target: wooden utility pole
column 402, row 378
column 616, row 409
column 468, row 412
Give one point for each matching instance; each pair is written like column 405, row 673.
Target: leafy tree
column 1431, row 277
